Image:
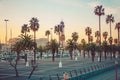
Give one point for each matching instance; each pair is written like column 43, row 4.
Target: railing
column 82, row 73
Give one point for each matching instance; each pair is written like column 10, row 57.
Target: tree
column 34, row 25
column 91, row 39
column 92, row 48
column 97, row 34
column 110, row 19
column 70, row 46
column 110, row 46
column 105, row 34
column 25, row 29
column 83, row 43
column 99, row 11
column 41, row 49
column 88, row 32
column 25, row 42
column 104, row 48
column 59, row 30
column 117, row 26
column 53, row 46
column 47, row 33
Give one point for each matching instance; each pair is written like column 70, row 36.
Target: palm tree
column 75, row 38
column 110, row 46
column 59, row 30
column 118, row 28
column 41, row 49
column 70, row 46
column 53, row 46
column 105, row 34
column 83, row 43
column 91, row 39
column 88, row 32
column 97, row 34
column 110, row 19
column 115, row 41
column 25, row 29
column 92, row 47
column 99, row 11
column 34, row 25
column 104, row 48
column 47, row 33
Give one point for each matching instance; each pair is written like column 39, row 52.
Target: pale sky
column 76, row 14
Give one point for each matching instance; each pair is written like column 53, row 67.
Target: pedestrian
column 65, row 76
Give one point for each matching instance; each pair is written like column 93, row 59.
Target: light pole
column 6, row 33
column 60, row 49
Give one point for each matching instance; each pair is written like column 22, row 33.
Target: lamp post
column 60, row 49
column 116, row 69
column 6, row 33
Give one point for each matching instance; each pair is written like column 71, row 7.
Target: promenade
column 47, row 69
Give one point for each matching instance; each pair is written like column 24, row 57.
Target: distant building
column 42, row 42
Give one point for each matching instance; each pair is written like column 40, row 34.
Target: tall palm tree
column 118, row 28
column 59, row 30
column 99, row 11
column 105, row 34
column 34, row 25
column 47, row 33
column 25, row 28
column 110, row 19
column 88, row 32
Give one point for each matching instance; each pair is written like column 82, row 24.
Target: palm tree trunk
column 35, row 47
column 110, row 30
column 100, row 29
column 100, row 34
column 118, row 37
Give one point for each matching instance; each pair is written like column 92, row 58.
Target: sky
column 76, row 14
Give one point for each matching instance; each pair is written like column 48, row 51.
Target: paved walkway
column 46, row 67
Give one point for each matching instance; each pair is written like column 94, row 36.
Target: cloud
column 110, row 10
column 94, row 4
column 74, row 3
column 115, row 11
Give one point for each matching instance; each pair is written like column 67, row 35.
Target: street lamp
column 60, row 49
column 62, row 38
column 6, row 33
